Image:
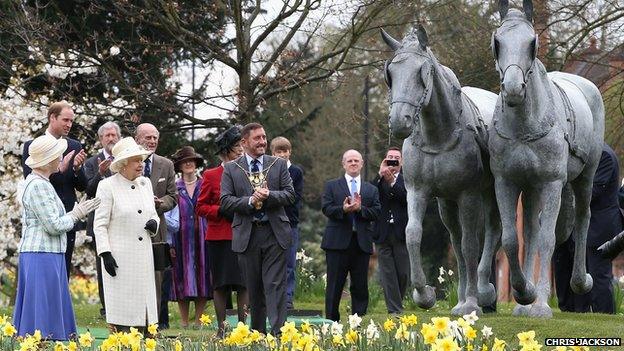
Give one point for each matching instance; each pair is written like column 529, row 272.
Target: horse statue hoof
column 527, row 296
column 487, row 296
column 540, row 310
column 521, row 310
column 455, row 311
column 467, row 308
column 582, row 287
column 425, row 298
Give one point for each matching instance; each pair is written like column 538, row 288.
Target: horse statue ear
column 392, row 43
column 527, row 6
column 503, row 7
column 423, row 39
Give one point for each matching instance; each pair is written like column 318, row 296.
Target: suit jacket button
column 132, row 187
column 140, row 211
column 140, row 238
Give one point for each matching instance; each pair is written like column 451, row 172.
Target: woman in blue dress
column 43, row 301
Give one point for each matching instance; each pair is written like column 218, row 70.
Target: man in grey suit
column 254, row 189
column 96, row 169
column 162, row 175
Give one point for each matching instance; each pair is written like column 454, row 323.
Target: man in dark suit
column 281, row 147
column 352, row 207
column 96, row 169
column 255, row 188
column 71, row 176
column 161, row 173
column 605, row 222
column 393, row 258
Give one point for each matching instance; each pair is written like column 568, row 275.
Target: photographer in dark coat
column 393, row 258
column 604, row 224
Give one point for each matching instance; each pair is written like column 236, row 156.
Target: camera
column 392, row 163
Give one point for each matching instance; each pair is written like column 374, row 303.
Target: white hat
column 124, row 149
column 45, row 149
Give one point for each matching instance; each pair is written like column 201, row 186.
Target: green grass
column 504, row 325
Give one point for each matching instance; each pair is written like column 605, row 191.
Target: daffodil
column 561, row 348
column 470, row 333
column 471, row 318
column 85, row 340
column 526, row 337
column 337, row 340
column 486, row 332
column 372, row 332
column 409, row 320
column 389, row 325
column 402, row 333
column 150, row 344
column 3, row 319
column 531, row 345
column 306, row 327
column 441, row 324
column 430, row 336
column 8, row 330
column 354, row 321
column 177, row 346
column 72, row 346
column 499, row 345
column 152, row 329
column 205, row 319
column 351, row 336
column 446, row 344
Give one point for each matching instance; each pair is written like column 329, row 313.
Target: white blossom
column 440, row 279
column 442, row 271
column 372, row 332
column 355, row 321
column 471, row 318
column 450, row 272
column 114, row 50
column 486, row 331
column 336, row 328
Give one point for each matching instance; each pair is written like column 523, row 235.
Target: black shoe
column 102, row 313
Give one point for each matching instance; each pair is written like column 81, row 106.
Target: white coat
column 119, row 229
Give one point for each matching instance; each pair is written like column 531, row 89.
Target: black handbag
column 162, row 257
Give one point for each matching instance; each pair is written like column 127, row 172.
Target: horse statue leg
column 581, row 282
column 471, row 219
column 449, row 214
column 487, row 291
column 507, row 197
column 550, row 196
column 424, row 295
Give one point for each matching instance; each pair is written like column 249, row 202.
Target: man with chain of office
column 255, row 188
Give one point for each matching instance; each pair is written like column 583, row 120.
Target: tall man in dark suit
column 255, row 188
column 96, row 169
column 351, row 206
column 71, row 176
column 162, row 175
column 605, row 222
column 393, row 258
column 281, row 147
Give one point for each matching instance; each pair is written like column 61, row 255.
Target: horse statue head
column 514, row 45
column 408, row 74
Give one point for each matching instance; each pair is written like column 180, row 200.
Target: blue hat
column 226, row 140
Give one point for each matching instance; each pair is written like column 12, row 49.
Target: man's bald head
column 147, row 135
column 352, row 162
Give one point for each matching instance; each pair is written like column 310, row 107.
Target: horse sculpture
column 546, row 144
column 444, row 155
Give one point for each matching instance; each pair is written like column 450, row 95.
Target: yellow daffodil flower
column 85, row 340
column 499, row 345
column 177, row 345
column 389, row 325
column 152, row 329
column 150, row 344
column 205, row 320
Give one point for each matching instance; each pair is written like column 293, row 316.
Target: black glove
column 613, row 247
column 151, row 226
column 109, row 263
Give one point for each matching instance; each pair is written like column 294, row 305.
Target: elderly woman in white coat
column 123, row 225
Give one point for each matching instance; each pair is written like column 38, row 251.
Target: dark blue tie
column 147, row 172
column 258, row 214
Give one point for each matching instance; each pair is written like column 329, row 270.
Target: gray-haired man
column 96, row 169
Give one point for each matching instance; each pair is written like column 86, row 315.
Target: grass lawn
column 504, row 325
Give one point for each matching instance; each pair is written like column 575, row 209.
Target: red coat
column 208, row 204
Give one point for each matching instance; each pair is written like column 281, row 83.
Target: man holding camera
column 393, row 258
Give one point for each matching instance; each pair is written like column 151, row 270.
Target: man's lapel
column 344, row 186
column 155, row 170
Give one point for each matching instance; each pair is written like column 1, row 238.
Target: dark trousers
column 354, row 262
column 291, row 268
column 264, row 268
column 69, row 251
column 600, row 297
column 394, row 270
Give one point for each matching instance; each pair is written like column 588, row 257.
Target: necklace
column 191, row 182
